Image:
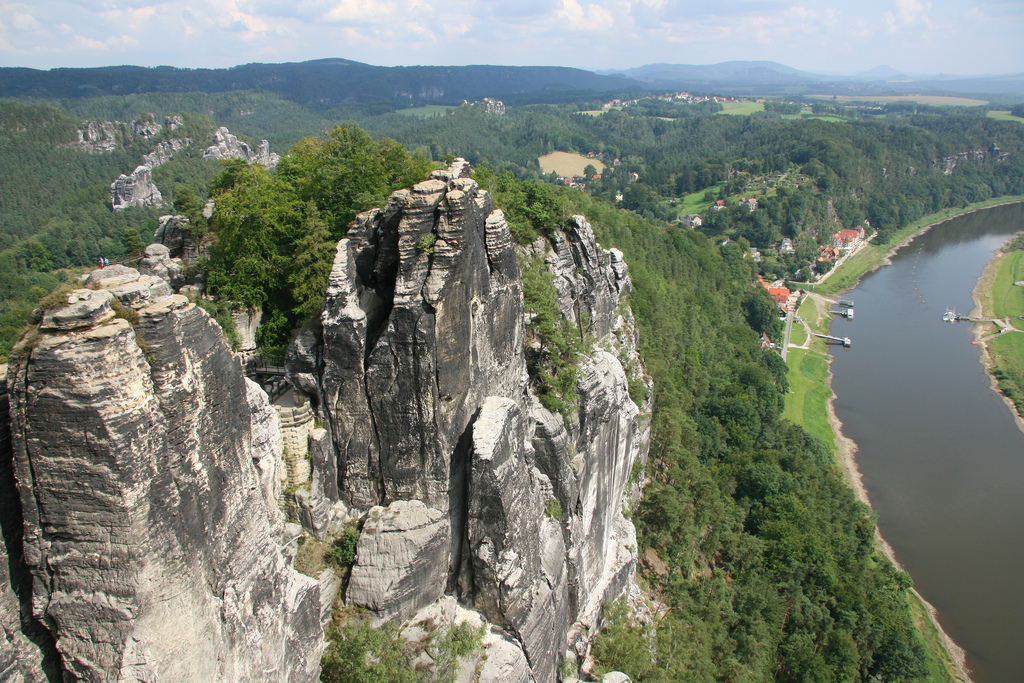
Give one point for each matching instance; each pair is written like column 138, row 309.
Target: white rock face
column 227, row 146
column 164, row 151
column 158, row 263
column 99, row 136
column 136, row 189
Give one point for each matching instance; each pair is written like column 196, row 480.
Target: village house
column 751, row 202
column 691, row 220
column 719, row 205
column 787, row 246
column 827, row 253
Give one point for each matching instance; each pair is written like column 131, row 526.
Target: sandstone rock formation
column 99, row 136
column 470, row 489
column 227, row 146
column 146, row 467
column 136, row 189
column 146, row 127
column 164, row 151
column 175, row 233
column 159, row 263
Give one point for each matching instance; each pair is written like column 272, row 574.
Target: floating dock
column 845, row 341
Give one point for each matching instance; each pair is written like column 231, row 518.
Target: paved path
column 789, row 328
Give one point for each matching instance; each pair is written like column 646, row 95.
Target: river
column 941, row 456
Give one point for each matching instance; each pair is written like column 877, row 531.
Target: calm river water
column 942, row 459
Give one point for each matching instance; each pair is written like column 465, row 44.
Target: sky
column 822, row 36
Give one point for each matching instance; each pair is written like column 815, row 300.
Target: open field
column 936, row 100
column 567, row 164
column 594, row 112
column 1004, row 116
column 741, row 108
column 695, row 203
column 1007, row 298
column 425, row 112
column 798, row 335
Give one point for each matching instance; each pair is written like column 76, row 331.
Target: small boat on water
column 951, row 316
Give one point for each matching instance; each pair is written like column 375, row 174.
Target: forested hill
column 323, row 82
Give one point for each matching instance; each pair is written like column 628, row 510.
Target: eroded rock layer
column 154, row 548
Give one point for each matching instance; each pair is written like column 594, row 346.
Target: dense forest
column 759, row 561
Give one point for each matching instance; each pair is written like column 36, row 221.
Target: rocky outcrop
column 21, row 658
column 227, row 146
column 164, row 151
column 100, row 136
column 146, row 467
column 136, row 189
column 402, row 560
column 146, row 127
column 159, row 263
column 175, row 233
column 472, row 492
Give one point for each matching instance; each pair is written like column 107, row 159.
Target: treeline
column 761, row 563
column 323, row 81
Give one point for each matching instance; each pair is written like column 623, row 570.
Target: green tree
column 347, row 171
column 314, row 256
column 256, row 221
column 132, row 243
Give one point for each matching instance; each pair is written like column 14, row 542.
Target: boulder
column 401, row 560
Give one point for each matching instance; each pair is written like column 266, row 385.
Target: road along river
column 940, row 453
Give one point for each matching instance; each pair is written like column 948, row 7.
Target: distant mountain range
column 340, row 81
column 774, row 78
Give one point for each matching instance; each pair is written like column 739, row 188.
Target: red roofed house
column 780, row 294
column 847, row 239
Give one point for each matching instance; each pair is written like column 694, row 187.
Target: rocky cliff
column 136, row 189
column 227, row 146
column 144, row 465
column 468, row 488
column 143, row 471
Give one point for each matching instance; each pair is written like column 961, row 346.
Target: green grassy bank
column 1001, row 298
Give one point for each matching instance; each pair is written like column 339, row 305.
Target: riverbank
column 1002, row 354
column 810, row 404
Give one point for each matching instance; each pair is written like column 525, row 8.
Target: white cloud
column 593, row 17
column 907, row 13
